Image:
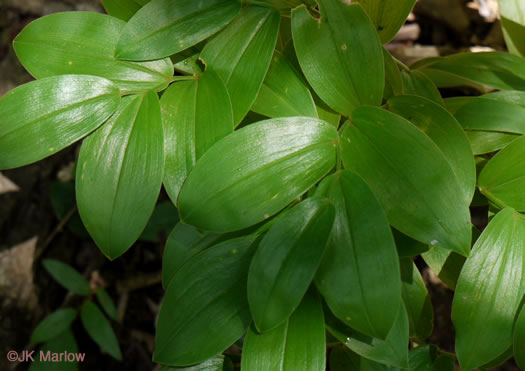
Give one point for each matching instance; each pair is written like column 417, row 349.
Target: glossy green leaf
column 162, row 221
column 502, row 358
column 107, row 303
column 241, row 55
column 512, row 14
column 187, row 61
column 443, row 79
column 297, row 344
column 361, row 286
column 445, row 132
column 392, row 351
column 165, row 27
column 519, row 339
column 99, row 329
column 253, row 173
column 416, row 299
column 63, row 343
column 393, row 78
column 492, row 115
column 195, row 115
column 184, row 242
column 122, row 9
column 53, row 325
column 508, row 96
column 502, row 180
column 66, row 276
column 417, row 187
column 119, row 174
column 213, row 364
column 284, row 92
column 42, row 117
column 483, row 142
column 202, row 317
column 388, row 15
column 489, row 291
column 84, row 43
column 345, row 69
column 417, row 83
column 429, row 358
column 495, row 69
column 286, row 261
column 326, row 113
column 287, row 4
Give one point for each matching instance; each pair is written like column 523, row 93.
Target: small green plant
column 308, row 166
column 60, row 347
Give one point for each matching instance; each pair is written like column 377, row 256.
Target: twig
column 55, row 232
column 139, row 282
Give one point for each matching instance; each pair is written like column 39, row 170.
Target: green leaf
column 483, row 142
column 162, row 221
column 64, row 343
column 66, row 276
column 503, row 177
column 508, row 96
column 502, row 358
column 287, row 4
column 84, row 43
column 345, row 69
column 513, row 23
column 417, row 83
column 416, row 299
column 492, row 115
column 417, row 188
column 388, row 15
column 107, row 304
column 286, row 261
column 122, row 9
column 119, row 174
column 393, row 78
column 393, row 351
column 445, row 132
column 255, row 172
column 297, row 344
column 42, row 117
column 519, row 339
column 202, row 317
column 187, row 61
column 241, row 55
column 53, row 325
column 284, row 93
column 495, row 69
column 213, row 364
column 326, row 113
column 184, row 242
column 362, row 289
column 195, row 115
column 429, row 358
column 177, row 25
column 99, row 329
column 489, row 291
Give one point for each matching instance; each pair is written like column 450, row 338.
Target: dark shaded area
column 445, row 26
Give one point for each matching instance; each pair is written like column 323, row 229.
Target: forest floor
column 32, row 228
